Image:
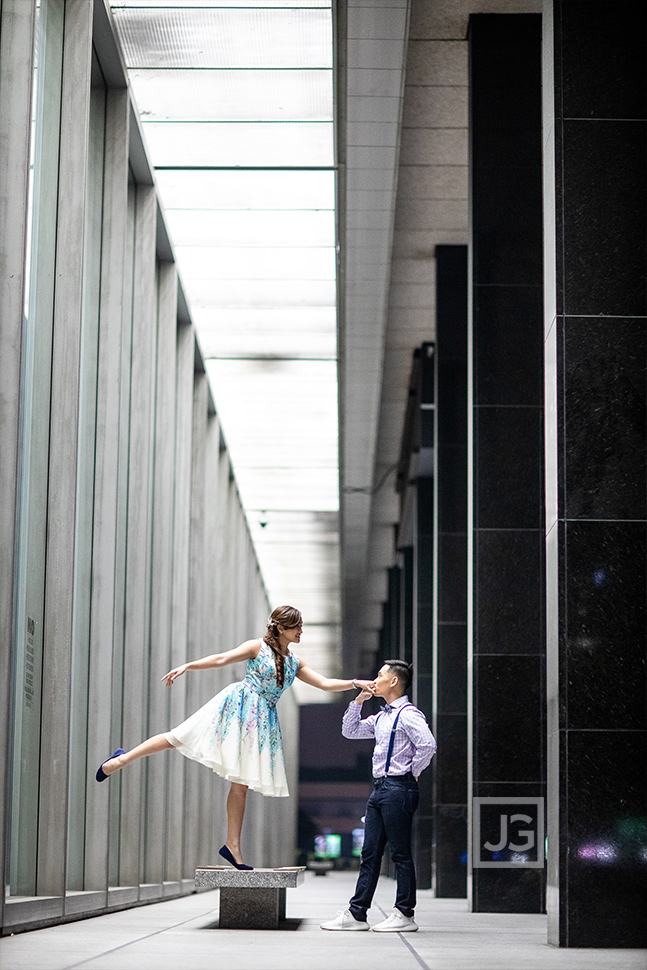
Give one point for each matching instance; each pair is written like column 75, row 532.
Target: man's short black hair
column 403, row 671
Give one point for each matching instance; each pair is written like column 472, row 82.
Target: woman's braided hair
column 287, row 616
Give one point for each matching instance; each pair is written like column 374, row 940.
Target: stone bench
column 250, row 900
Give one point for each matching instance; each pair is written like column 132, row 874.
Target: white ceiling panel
column 224, row 144
column 285, row 488
column 227, row 3
column 259, row 293
column 236, row 96
column 217, row 343
column 270, row 332
column 251, row 227
column 225, row 35
column 226, row 189
column 256, row 263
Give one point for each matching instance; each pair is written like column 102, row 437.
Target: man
column 404, row 746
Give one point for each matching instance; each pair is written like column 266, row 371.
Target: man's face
column 384, row 681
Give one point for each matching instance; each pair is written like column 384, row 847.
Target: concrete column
column 62, row 486
column 211, row 834
column 200, row 684
column 109, row 381
column 121, row 538
column 178, row 766
column 16, row 71
column 33, row 452
column 221, row 632
column 137, row 595
column 595, row 218
column 161, row 568
column 240, row 591
column 86, row 467
column 221, row 620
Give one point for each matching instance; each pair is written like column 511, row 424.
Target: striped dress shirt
column 414, row 745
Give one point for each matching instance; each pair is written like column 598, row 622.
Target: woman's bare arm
column 332, row 684
column 246, row 651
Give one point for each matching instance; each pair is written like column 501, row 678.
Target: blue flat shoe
column 226, row 854
column 101, row 775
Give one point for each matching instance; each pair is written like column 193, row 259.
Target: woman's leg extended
column 150, row 746
column 235, row 815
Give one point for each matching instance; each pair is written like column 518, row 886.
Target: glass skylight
column 216, row 4
column 231, row 144
column 251, row 227
column 239, row 96
column 218, row 189
column 257, row 293
column 267, row 332
column 236, row 101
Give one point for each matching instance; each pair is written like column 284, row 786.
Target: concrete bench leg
column 255, row 909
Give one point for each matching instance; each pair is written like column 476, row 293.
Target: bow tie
column 388, row 707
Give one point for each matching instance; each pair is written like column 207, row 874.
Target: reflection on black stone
column 607, row 837
column 605, row 418
column 606, row 575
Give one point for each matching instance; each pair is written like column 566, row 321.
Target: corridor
column 184, row 933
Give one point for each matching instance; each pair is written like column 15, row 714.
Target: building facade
column 491, row 161
column 125, row 549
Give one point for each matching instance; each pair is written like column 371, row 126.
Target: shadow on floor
column 289, row 925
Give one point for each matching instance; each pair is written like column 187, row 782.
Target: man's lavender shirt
column 414, row 744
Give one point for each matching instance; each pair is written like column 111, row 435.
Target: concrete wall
column 124, row 546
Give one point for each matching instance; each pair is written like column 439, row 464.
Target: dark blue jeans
column 389, row 814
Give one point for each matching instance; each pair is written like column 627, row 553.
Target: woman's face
column 290, row 634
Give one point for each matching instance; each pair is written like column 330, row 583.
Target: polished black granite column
column 389, row 636
column 422, row 688
column 406, row 605
column 449, row 767
column 390, row 647
column 414, row 594
column 423, row 691
column 506, row 648
column 596, row 484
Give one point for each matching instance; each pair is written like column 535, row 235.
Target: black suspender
column 392, row 738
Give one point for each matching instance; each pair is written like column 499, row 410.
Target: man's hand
column 367, row 691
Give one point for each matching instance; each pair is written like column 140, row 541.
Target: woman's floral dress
column 237, row 732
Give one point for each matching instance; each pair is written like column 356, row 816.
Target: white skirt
column 236, row 734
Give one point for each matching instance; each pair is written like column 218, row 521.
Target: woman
column 237, row 732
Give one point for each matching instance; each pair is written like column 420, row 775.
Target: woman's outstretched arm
column 246, row 651
column 310, row 676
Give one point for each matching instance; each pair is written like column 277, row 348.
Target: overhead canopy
column 236, row 99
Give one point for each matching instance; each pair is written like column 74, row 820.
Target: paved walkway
column 183, row 934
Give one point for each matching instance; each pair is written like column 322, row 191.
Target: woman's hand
column 174, row 674
column 367, row 690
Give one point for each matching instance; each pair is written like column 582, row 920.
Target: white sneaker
column 346, row 921
column 397, row 922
